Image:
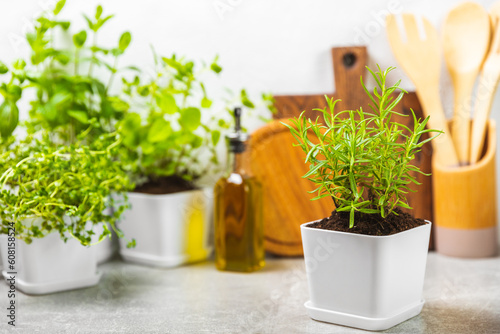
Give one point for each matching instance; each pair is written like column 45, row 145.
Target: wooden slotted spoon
column 466, row 33
column 421, row 60
column 488, row 82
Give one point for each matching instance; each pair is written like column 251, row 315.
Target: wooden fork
column 421, row 60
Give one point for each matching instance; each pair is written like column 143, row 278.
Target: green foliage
column 69, row 96
column 362, row 159
column 47, row 188
column 179, row 131
column 11, row 92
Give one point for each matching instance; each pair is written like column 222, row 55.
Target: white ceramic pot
column 169, row 230
column 362, row 281
column 49, row 265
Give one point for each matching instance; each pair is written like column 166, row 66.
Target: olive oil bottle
column 239, row 230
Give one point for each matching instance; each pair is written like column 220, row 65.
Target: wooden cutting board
column 279, row 165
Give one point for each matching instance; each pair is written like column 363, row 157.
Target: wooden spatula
column 421, row 60
column 466, row 38
column 488, row 82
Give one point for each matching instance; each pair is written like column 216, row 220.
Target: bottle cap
column 237, row 138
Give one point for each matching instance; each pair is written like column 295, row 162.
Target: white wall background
column 280, row 46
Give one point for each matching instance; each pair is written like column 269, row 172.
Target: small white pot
column 50, row 265
column 362, row 281
column 170, row 230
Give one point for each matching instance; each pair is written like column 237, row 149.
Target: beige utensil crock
column 465, row 212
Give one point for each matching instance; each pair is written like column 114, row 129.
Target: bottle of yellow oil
column 239, row 230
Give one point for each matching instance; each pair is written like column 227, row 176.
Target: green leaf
column 190, row 119
column 125, row 40
column 129, row 129
column 351, row 218
column 160, row 130
column 116, row 52
column 166, row 102
column 64, row 24
column 216, row 68
column 59, row 6
column 143, row 91
column 9, row 117
column 215, row 137
column 80, row 116
column 98, row 12
column 14, row 92
column 62, row 58
column 3, row 69
column 245, row 100
column 19, row 64
column 89, row 22
column 80, row 38
column 101, row 22
column 205, row 102
column 197, row 141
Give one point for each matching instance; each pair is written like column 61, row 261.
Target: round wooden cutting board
column 279, row 166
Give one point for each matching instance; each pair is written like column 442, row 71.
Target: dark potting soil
column 165, row 185
column 370, row 224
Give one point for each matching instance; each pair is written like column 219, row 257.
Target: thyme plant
column 362, row 160
column 46, row 187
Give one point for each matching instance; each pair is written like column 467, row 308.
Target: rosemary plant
column 362, row 160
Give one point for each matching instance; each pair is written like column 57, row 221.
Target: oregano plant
column 362, row 159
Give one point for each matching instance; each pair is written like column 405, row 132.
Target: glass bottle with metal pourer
column 239, row 230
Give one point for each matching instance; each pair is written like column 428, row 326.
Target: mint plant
column 362, row 160
column 69, row 94
column 172, row 128
column 164, row 133
column 45, row 188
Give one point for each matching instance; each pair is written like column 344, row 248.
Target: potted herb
column 170, row 136
column 166, row 149
column 366, row 263
column 53, row 200
column 71, row 82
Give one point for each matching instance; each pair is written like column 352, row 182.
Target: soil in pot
column 165, row 185
column 370, row 224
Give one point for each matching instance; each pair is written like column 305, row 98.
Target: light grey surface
column 462, row 296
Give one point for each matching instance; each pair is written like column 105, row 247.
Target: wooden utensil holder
column 465, row 212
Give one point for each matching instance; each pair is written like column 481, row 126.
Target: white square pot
column 362, row 281
column 169, row 230
column 50, row 265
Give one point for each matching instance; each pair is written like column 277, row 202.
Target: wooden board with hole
column 280, row 166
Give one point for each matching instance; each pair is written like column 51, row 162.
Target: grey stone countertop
column 462, row 296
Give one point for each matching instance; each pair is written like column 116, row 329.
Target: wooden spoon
column 421, row 60
column 466, row 41
column 488, row 82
